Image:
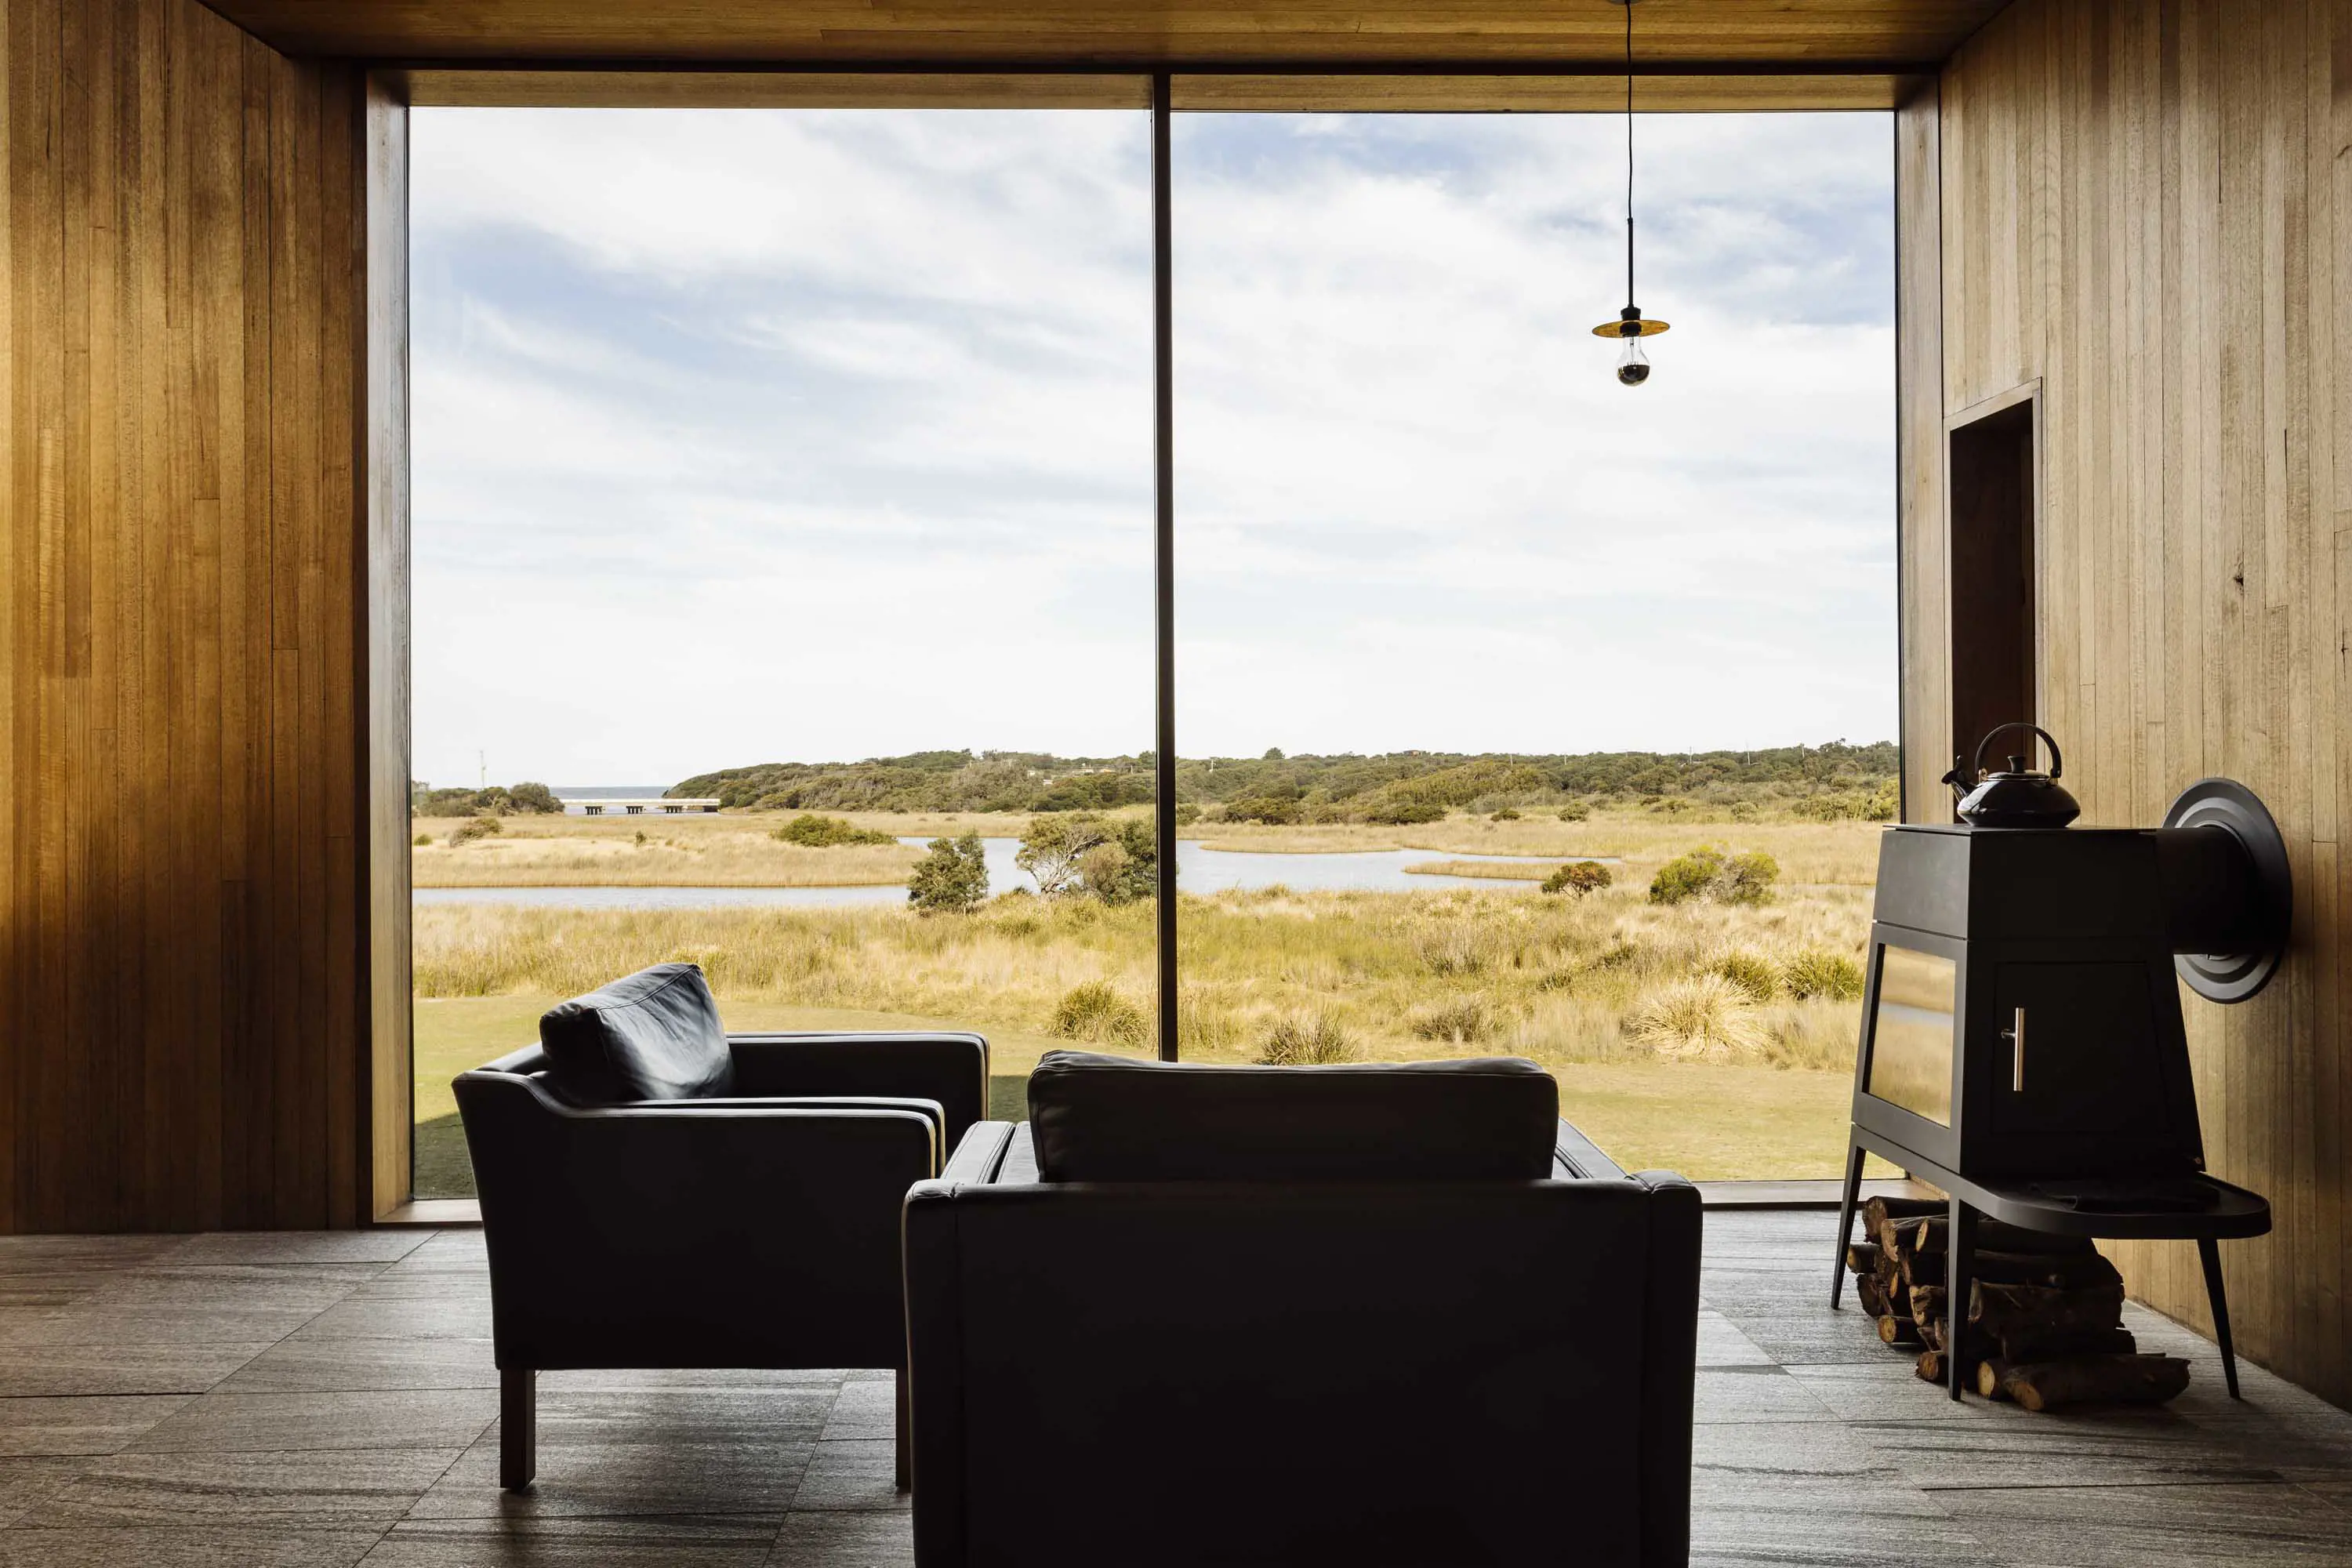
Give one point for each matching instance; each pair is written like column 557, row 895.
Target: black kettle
column 2017, row 796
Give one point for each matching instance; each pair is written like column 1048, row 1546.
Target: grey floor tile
column 48, row 1254
column 654, row 1542
column 121, row 1369
column 685, row 1415
column 388, row 1245
column 330, row 1489
column 422, row 1317
column 859, row 1473
column 24, row 1482
column 151, row 1324
column 35, row 1289
column 76, row 1424
column 662, row 1477
column 2128, row 1527
column 161, row 1546
column 864, row 1408
column 1807, row 1493
column 247, row 1423
column 227, row 1287
column 2065, row 1448
column 622, row 1380
column 332, row 1365
column 1720, row 1344
column 844, row 1539
column 1754, row 1394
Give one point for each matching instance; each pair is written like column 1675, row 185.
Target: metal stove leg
column 1845, row 1218
column 2209, row 1251
column 1959, row 1268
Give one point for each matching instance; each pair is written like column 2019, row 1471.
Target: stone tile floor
column 328, row 1399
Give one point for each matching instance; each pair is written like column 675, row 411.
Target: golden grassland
column 645, row 852
column 1672, row 1030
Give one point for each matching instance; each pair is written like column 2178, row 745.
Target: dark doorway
column 1992, row 572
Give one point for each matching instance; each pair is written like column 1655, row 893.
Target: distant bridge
column 639, row 808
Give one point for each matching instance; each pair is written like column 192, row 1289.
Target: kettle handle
column 2057, row 762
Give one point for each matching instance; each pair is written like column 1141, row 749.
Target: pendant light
column 1632, row 366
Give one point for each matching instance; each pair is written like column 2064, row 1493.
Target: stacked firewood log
column 2045, row 1319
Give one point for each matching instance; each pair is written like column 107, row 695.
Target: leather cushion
column 653, row 1036
column 1113, row 1119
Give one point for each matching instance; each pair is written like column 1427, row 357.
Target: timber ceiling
column 1791, row 34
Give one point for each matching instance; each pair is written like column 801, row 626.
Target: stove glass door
column 1911, row 1034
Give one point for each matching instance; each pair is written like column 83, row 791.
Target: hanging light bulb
column 1632, row 366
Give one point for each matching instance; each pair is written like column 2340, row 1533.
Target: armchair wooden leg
column 905, row 1433
column 518, row 1428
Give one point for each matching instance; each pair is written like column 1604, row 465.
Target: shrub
column 1187, row 813
column 951, row 877
column 1618, row 956
column 1404, row 813
column 1757, row 980
column 1053, row 847
column 1685, row 877
column 1575, row 811
column 1096, row 1011
column 483, row 827
column 1704, row 872
column 1672, row 806
column 1744, row 811
column 1304, row 1041
column 1507, row 814
column 1124, row 868
column 814, row 832
column 1463, row 1021
column 1816, row 973
column 1578, row 877
column 422, row 840
column 1275, row 811
column 1747, row 878
column 1706, row 1018
column 536, row 799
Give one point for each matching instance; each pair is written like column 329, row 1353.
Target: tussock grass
column 1554, row 979
column 651, row 851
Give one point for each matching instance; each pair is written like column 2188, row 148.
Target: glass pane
column 1505, row 687
column 799, row 462
column 1911, row 1051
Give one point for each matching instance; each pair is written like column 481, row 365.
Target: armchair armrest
column 950, row 1068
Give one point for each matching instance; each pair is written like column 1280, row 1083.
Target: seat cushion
column 1113, row 1119
column 653, row 1036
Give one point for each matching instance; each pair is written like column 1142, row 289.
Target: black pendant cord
column 1629, row 154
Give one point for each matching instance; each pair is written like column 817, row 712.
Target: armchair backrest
column 1384, row 1373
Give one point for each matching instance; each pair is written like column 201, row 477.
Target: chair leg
column 905, row 1433
column 518, row 1428
column 1845, row 1218
column 2209, row 1252
column 1959, row 1268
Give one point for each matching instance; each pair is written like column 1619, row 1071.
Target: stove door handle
column 2015, row 1035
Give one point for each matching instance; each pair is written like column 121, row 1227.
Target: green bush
column 1687, row 877
column 1124, row 868
column 1187, row 813
column 1506, row 814
column 1306, row 1041
column 1816, row 973
column 1744, row 811
column 1404, row 813
column 535, row 799
column 1096, row 1011
column 810, row 831
column 951, row 878
column 1275, row 811
column 1752, row 972
column 422, row 840
column 1704, row 872
column 1747, row 878
column 1575, row 811
column 1578, row 877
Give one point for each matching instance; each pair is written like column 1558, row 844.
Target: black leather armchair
column 1258, row 1322
column 757, row 1228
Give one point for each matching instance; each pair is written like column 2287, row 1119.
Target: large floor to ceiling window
column 799, row 462
column 1562, row 711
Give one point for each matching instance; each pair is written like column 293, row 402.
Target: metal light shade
column 1637, row 328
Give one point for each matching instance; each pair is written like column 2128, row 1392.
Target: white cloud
column 744, row 436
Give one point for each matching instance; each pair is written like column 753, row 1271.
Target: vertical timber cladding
column 2141, row 205
column 182, row 1010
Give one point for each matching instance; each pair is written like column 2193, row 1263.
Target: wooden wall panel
column 182, row 1017
column 2146, row 206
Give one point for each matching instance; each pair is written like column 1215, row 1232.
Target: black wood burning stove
column 2023, row 1045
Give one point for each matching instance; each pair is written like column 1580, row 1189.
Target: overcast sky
column 796, row 436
